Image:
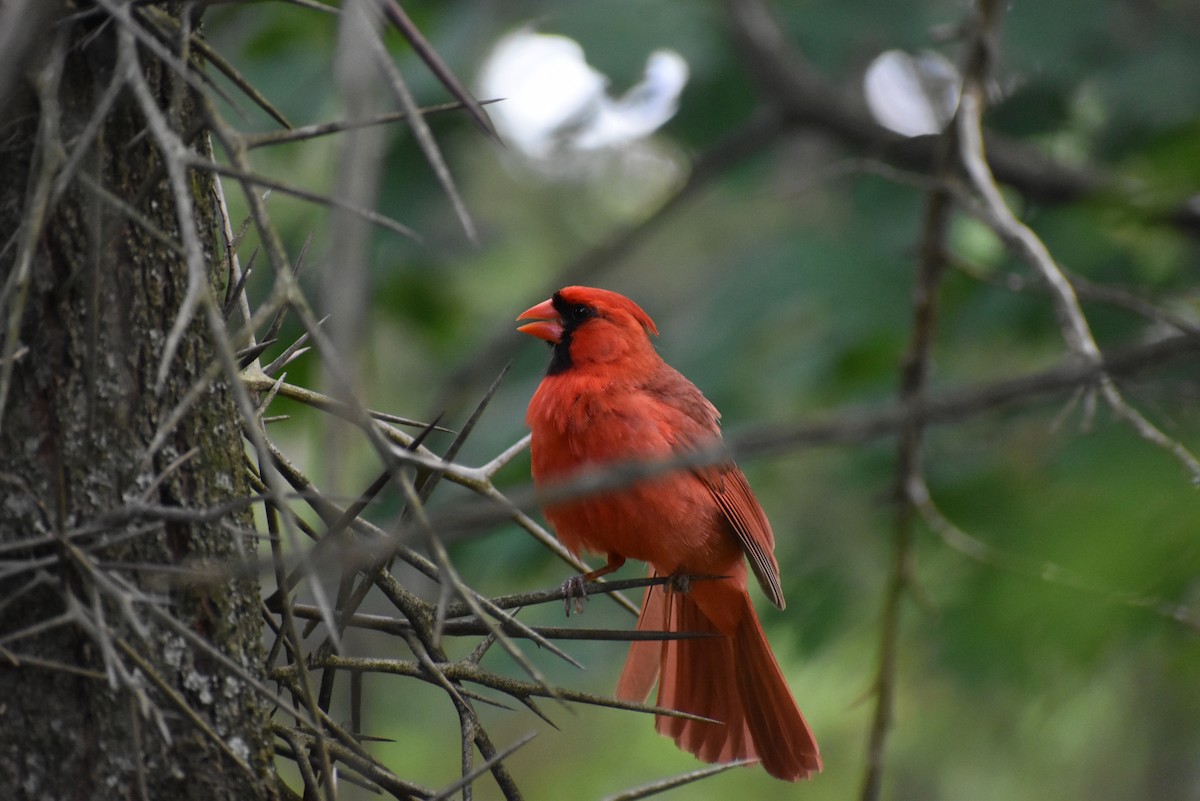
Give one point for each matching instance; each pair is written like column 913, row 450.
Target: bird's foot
column 680, row 582
column 574, row 592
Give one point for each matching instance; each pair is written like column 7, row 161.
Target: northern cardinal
column 609, row 397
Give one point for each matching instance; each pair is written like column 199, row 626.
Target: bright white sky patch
column 555, row 102
column 911, row 95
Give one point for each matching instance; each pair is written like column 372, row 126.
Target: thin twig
column 1040, row 570
column 416, row 120
column 662, row 785
column 316, row 130
column 475, row 628
column 1026, row 245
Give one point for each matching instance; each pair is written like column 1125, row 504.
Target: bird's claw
column 574, row 591
column 680, row 582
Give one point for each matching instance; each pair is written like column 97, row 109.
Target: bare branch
column 1026, row 244
column 662, row 785
column 438, row 67
column 416, row 120
column 316, row 130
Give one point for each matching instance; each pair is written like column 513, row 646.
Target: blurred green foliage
column 783, row 290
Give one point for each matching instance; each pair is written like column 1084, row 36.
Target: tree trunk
column 100, row 697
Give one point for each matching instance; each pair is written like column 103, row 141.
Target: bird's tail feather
column 729, row 676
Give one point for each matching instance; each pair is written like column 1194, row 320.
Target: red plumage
column 609, row 397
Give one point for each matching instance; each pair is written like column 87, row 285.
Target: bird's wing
column 693, row 421
column 732, row 493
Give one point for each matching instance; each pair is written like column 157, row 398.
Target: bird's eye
column 579, row 312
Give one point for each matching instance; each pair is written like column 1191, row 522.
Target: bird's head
column 589, row 327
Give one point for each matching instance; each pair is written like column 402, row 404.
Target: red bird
column 608, row 397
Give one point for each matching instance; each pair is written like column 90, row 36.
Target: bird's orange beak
column 548, row 326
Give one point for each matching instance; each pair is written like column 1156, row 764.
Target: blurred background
column 778, row 260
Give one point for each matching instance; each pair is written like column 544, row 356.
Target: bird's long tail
column 731, row 677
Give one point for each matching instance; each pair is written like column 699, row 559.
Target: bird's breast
column 670, row 520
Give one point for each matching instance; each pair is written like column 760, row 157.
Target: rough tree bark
column 82, row 714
